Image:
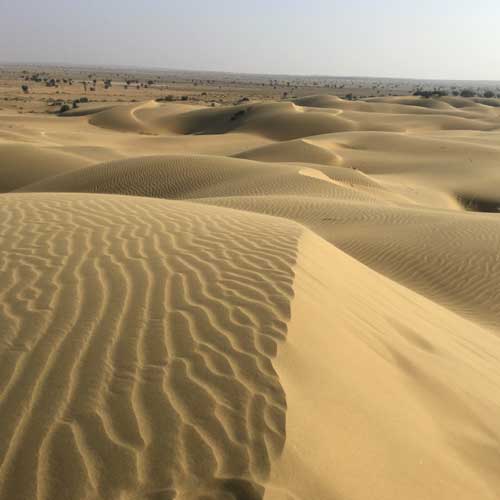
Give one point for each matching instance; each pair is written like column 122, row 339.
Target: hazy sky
column 399, row 38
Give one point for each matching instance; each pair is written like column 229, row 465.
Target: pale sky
column 382, row 38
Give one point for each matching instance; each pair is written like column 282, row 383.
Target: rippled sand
column 287, row 300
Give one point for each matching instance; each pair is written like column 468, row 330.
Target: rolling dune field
column 285, row 300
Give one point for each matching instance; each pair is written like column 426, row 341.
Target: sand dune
column 299, row 150
column 22, row 164
column 276, row 300
column 305, row 117
column 137, row 354
column 405, row 398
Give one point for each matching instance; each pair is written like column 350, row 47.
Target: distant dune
column 283, row 301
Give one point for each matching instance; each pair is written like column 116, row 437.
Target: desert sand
column 284, row 300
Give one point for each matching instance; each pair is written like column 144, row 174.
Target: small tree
column 25, row 88
column 467, row 93
column 489, row 94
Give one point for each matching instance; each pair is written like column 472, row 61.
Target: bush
column 430, row 93
column 167, row 98
column 84, row 99
column 467, row 93
column 489, row 94
column 25, row 88
column 64, row 108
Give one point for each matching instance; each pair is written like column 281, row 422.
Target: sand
column 271, row 300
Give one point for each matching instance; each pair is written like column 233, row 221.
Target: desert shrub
column 184, row 98
column 64, row 108
column 467, row 93
column 84, row 99
column 430, row 93
column 167, row 98
column 25, row 88
column 489, row 94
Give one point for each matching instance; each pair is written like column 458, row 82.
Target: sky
column 435, row 39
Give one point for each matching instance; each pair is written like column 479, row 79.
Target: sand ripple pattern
column 136, row 348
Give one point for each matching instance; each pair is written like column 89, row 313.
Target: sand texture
column 286, row 300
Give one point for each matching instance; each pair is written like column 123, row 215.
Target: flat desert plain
column 286, row 299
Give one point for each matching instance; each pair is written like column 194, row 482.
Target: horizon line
column 223, row 72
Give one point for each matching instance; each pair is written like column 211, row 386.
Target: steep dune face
column 405, row 398
column 273, row 301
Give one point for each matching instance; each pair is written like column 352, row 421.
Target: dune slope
column 137, row 349
column 389, row 395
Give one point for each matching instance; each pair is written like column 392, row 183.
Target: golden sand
column 282, row 300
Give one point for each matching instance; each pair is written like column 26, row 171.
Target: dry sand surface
column 286, row 300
